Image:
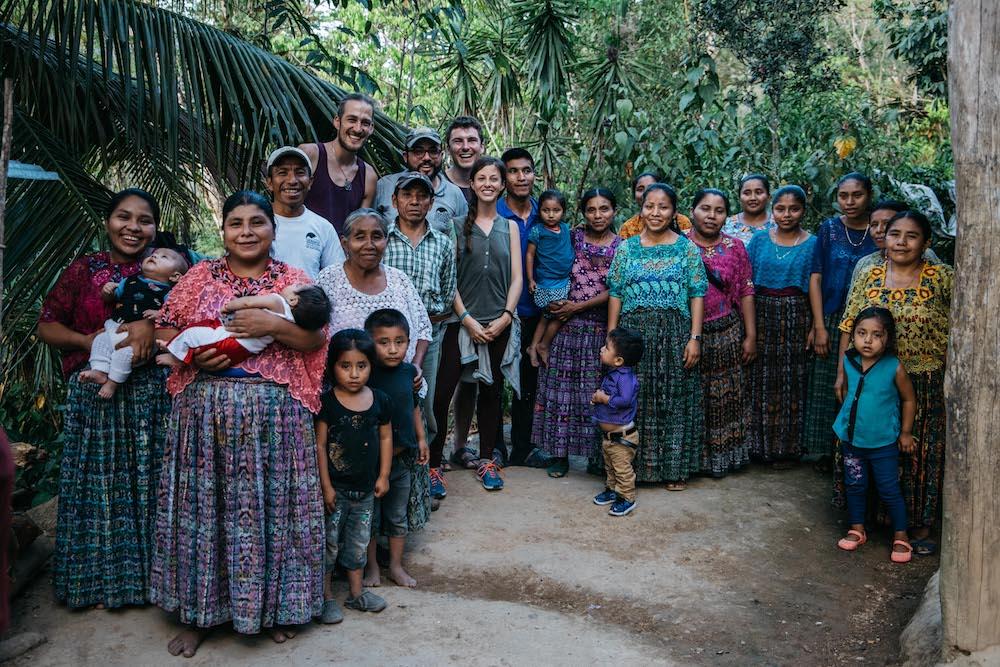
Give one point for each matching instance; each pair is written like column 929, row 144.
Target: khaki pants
column 619, row 451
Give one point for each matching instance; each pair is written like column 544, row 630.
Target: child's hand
column 108, row 291
column 423, row 453
column 381, row 486
column 532, row 286
column 600, row 397
column 151, row 314
column 329, row 498
column 906, row 443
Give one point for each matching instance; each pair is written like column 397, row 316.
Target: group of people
column 313, row 368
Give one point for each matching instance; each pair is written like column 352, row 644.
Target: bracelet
column 696, row 337
column 509, row 313
column 463, row 316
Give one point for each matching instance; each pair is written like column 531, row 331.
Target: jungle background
column 184, row 98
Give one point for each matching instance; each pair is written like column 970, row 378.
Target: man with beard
column 306, row 240
column 343, row 181
column 464, row 139
column 423, row 154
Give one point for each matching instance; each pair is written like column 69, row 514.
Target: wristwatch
column 696, row 337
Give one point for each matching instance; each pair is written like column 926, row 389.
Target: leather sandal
column 852, row 545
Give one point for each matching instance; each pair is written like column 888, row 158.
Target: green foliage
column 918, row 35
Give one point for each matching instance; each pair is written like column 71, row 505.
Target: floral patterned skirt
column 727, row 413
column 821, row 402
column 779, row 377
column 239, row 524
column 107, row 490
column 671, row 414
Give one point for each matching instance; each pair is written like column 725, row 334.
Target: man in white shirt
column 303, row 239
column 423, row 154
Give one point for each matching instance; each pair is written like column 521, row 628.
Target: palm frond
column 547, row 43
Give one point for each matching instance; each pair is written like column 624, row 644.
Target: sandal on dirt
column 901, row 556
column 558, row 468
column 465, row 458
column 852, row 545
column 367, row 601
column 676, row 486
column 923, row 547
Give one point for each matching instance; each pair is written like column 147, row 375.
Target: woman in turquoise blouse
column 657, row 283
column 782, row 261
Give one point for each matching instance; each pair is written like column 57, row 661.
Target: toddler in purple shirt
column 615, row 405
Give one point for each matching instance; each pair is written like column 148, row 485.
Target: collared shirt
column 622, row 388
column 526, row 304
column 449, row 202
column 430, row 265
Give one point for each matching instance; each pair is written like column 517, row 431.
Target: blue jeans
column 390, row 514
column 348, row 530
column 884, row 463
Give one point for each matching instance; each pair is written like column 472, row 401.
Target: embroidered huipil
column 834, row 256
column 589, row 274
column 200, row 294
column 663, row 276
column 736, row 228
column 75, row 300
column 921, row 313
column 777, row 267
column 728, row 264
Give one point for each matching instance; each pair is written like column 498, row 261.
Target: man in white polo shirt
column 303, row 239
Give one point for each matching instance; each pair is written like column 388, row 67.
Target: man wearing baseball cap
column 302, row 238
column 423, row 154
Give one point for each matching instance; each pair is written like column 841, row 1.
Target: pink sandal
column 901, row 556
column 852, row 545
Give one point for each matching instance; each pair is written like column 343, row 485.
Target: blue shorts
column 544, row 295
column 390, row 517
column 349, row 529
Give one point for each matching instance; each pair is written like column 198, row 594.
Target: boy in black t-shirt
column 391, row 333
column 354, row 443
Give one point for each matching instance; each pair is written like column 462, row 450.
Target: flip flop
column 465, row 458
column 558, row 468
column 852, row 545
column 901, row 556
column 677, row 486
column 923, row 547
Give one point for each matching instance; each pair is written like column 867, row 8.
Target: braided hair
column 470, row 218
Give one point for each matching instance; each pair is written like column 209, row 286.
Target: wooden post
column 8, row 126
column 970, row 554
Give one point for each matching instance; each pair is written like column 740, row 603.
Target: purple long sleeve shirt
column 622, row 387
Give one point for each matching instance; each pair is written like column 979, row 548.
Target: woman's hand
column 138, row 336
column 252, row 323
column 749, row 350
column 563, row 309
column 692, row 353
column 212, row 361
column 418, row 378
column 475, row 329
column 840, row 386
column 819, row 340
column 496, row 327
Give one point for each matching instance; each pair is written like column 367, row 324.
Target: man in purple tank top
column 343, row 182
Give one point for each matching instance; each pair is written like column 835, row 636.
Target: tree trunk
column 774, row 123
column 970, row 554
column 5, row 141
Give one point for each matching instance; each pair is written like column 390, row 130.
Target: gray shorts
column 348, row 530
column 390, row 517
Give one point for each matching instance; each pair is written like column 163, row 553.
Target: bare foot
column 532, row 355
column 401, row 578
column 94, row 377
column 99, row 606
column 290, row 631
column 167, row 359
column 108, row 389
column 373, row 578
column 187, row 641
column 543, row 356
column 278, row 635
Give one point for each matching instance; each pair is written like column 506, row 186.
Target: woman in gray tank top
column 489, row 285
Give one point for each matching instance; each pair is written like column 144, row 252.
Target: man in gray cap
column 423, row 154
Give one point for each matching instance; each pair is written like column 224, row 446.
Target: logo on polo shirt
column 312, row 241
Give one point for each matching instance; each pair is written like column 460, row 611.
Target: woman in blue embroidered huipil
column 657, row 283
column 781, row 260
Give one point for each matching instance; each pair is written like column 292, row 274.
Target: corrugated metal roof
column 30, row 172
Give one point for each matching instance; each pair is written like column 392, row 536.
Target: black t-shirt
column 352, row 441
column 135, row 295
column 397, row 383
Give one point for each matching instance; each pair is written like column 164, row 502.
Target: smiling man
column 343, row 181
column 464, row 140
column 302, row 238
column 423, row 154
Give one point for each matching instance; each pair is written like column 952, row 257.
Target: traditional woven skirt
column 779, row 377
column 418, row 509
column 821, row 401
column 239, row 524
column 921, row 473
column 107, row 490
column 562, row 424
column 727, row 411
column 671, row 414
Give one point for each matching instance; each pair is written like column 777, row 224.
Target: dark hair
column 865, row 182
column 461, row 123
column 915, row 216
column 884, row 316
column 387, row 317
column 470, row 218
column 672, row 194
column 165, row 239
column 597, row 192
column 517, row 153
column 553, row 194
column 756, row 177
column 704, row 192
column 789, row 190
column 652, row 174
column 121, row 196
column 312, row 312
column 628, row 344
column 354, row 97
column 889, row 205
column 248, row 198
column 346, row 340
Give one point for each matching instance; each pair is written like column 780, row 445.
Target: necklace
column 890, row 280
column 847, row 231
column 347, row 181
column 790, row 250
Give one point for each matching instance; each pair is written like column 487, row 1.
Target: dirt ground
column 739, row 571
